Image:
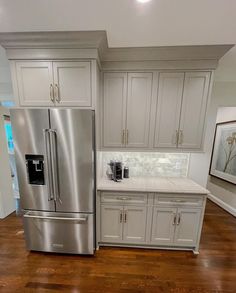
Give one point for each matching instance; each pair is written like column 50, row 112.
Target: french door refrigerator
column 55, row 159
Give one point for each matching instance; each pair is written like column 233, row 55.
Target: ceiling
column 129, row 23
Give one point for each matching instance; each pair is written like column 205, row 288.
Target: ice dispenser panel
column 35, row 169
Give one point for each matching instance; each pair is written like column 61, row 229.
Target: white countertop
column 152, row 184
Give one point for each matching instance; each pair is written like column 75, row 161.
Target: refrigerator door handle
column 49, row 164
column 80, row 219
column 53, row 140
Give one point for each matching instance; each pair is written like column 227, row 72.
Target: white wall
column 6, row 92
column 223, row 95
column 7, row 204
column 224, row 192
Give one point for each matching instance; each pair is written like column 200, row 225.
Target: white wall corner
column 222, row 204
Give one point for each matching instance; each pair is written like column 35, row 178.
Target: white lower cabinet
column 151, row 221
column 187, row 226
column 163, row 226
column 123, row 224
column 175, row 226
column 111, row 223
column 134, row 224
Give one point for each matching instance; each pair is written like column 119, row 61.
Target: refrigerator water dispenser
column 35, row 169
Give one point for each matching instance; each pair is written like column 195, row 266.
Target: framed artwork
column 223, row 158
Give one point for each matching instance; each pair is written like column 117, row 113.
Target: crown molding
column 159, row 65
column 168, row 53
column 54, row 39
column 96, row 42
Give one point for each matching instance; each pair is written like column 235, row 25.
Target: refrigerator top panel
column 31, row 158
column 72, row 140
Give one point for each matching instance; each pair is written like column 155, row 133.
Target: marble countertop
column 152, row 184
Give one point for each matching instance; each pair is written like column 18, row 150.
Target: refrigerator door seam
column 49, row 164
column 53, row 140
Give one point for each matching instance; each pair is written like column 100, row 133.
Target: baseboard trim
column 222, row 204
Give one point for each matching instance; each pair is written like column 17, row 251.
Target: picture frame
column 223, row 157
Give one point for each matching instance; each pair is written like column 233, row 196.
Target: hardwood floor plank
column 122, row 270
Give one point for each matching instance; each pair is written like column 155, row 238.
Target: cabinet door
column 195, row 95
column 111, row 223
column 163, row 225
column 187, row 226
column 138, row 109
column 168, row 109
column 72, row 83
column 114, row 109
column 134, row 224
column 35, row 81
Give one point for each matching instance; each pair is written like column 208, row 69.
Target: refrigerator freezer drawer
column 59, row 232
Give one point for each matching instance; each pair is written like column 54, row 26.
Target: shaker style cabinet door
column 134, row 224
column 111, row 223
column 168, row 109
column 138, row 109
column 163, row 225
column 194, row 104
column 114, row 109
column 187, row 226
column 72, row 83
column 35, row 83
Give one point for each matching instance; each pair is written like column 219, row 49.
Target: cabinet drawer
column 125, row 198
column 187, row 200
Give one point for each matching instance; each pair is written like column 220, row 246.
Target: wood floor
column 123, row 270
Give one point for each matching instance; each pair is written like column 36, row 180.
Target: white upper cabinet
column 181, row 110
column 126, row 110
column 168, row 109
column 64, row 83
column 141, row 111
column 195, row 96
column 138, row 109
column 72, row 83
column 35, row 83
column 114, row 109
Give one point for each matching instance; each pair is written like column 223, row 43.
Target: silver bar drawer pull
column 178, row 222
column 51, row 93
column 125, row 215
column 178, row 200
column 84, row 219
column 174, row 221
column 121, row 216
column 123, row 198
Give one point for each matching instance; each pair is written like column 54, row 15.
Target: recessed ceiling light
column 143, row 1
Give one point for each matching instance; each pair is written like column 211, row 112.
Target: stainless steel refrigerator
column 55, row 159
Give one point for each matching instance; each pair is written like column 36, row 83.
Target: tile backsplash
column 148, row 164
